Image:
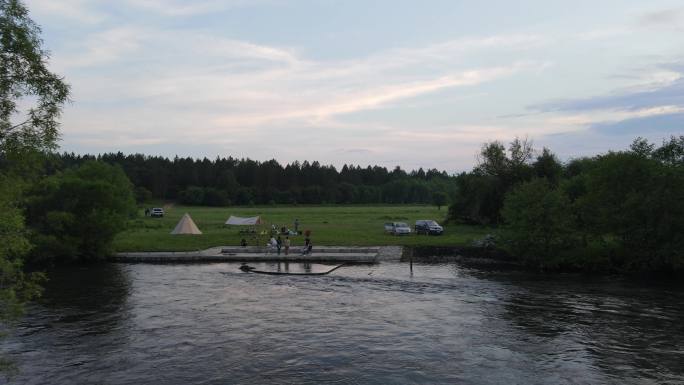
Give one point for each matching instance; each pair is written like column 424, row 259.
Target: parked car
column 428, row 227
column 157, row 212
column 397, row 228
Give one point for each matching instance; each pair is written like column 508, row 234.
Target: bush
column 538, row 223
column 193, row 196
column 215, row 197
column 76, row 214
column 142, row 195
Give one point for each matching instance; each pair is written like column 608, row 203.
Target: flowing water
column 374, row 324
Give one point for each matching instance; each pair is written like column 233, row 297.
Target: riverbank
column 260, row 254
column 356, row 225
column 466, row 256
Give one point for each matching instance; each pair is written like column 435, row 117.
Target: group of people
column 284, row 230
column 279, row 243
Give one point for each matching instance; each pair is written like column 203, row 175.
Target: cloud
column 663, row 18
column 82, row 11
column 184, row 8
column 661, row 124
column 665, row 89
column 102, row 48
column 604, row 33
column 238, row 84
column 141, row 88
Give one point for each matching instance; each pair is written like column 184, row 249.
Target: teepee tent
column 186, row 226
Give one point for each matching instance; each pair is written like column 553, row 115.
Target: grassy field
column 329, row 225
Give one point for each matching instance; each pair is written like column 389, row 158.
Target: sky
column 408, row 83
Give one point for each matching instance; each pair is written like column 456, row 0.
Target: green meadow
column 329, row 225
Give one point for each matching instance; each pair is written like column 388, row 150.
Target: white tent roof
column 186, row 226
column 240, row 221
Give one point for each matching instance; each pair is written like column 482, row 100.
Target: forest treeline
column 230, row 181
column 620, row 211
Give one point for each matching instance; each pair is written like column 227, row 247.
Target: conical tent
column 186, row 226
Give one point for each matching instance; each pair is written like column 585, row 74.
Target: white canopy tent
column 240, row 221
column 186, row 226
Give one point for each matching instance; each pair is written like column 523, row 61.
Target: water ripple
column 380, row 324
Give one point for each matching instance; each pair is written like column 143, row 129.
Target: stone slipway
column 256, row 254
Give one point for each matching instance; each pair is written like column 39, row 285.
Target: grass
column 330, row 225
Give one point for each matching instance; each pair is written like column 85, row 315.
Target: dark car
column 428, row 227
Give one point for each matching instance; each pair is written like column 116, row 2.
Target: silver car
column 400, row 228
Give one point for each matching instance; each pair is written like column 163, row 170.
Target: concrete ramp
column 262, row 254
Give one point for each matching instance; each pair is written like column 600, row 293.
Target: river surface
column 364, row 324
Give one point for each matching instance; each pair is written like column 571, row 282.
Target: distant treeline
column 231, row 181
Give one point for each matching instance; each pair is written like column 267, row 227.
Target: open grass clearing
column 329, row 225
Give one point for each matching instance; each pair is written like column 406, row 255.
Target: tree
column 637, row 204
column 193, row 196
column 439, row 199
column 538, row 223
column 24, row 132
column 671, row 152
column 481, row 192
column 24, row 76
column 77, row 213
column 547, row 166
column 492, row 159
column 16, row 287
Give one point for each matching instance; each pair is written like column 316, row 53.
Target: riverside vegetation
column 616, row 212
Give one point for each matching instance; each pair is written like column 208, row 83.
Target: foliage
column 439, row 199
column 198, row 196
column 31, row 98
column 480, row 193
column 25, row 78
column 77, row 213
column 16, row 287
column 539, row 224
column 547, row 166
column 142, row 195
column 243, row 181
column 638, row 200
column 619, row 211
column 193, row 196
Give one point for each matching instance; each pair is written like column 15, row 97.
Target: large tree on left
column 31, row 99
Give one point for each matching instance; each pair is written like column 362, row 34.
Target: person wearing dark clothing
column 307, row 246
column 279, row 244
column 243, row 242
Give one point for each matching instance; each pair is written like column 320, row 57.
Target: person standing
column 287, row 245
column 296, row 225
column 279, row 244
column 307, row 245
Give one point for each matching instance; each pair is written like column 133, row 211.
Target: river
column 369, row 324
